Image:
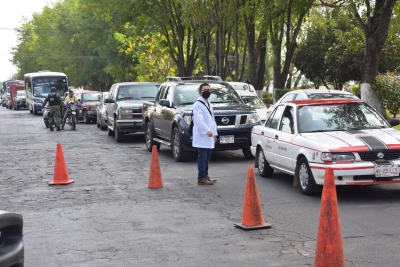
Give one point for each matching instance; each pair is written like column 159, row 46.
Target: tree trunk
column 375, row 32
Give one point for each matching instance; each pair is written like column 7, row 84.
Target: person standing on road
column 56, row 104
column 204, row 133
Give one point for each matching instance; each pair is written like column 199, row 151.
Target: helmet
column 247, row 81
column 53, row 89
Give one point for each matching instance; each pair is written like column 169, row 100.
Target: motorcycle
column 70, row 115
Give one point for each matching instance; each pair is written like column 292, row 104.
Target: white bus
column 38, row 85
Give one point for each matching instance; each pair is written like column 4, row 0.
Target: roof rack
column 194, row 78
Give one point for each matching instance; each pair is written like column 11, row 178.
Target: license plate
column 386, row 171
column 73, row 113
column 227, row 139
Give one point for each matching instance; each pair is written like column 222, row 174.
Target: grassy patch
column 397, row 127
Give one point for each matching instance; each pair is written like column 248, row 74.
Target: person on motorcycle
column 56, row 104
column 71, row 98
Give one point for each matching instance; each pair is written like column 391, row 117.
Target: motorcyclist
column 56, row 104
column 71, row 98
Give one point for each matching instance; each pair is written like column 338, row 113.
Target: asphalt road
column 109, row 217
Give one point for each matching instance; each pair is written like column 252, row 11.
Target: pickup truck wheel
column 247, row 153
column 85, row 117
column 307, row 182
column 179, row 153
column 118, row 135
column 149, row 139
column 103, row 127
column 109, row 131
column 264, row 168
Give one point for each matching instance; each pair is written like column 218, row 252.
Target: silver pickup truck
column 124, row 107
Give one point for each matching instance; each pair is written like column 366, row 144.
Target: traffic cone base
column 252, row 217
column 155, row 178
column 61, row 183
column 60, row 169
column 244, row 227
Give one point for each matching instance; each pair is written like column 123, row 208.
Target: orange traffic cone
column 329, row 252
column 155, row 179
column 253, row 217
column 60, row 169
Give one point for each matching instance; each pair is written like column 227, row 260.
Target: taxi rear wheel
column 306, row 178
column 264, row 168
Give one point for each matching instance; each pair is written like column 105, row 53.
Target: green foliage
column 387, row 87
column 267, row 98
column 355, row 89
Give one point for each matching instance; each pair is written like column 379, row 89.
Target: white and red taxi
column 303, row 138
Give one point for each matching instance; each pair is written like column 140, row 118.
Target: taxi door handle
column 276, row 137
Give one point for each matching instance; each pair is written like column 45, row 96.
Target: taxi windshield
column 339, row 117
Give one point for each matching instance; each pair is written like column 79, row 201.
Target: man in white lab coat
column 204, row 133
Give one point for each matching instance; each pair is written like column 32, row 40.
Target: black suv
column 167, row 118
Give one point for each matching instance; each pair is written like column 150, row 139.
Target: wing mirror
column 394, row 122
column 164, row 102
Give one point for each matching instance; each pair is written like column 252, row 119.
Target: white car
column 311, row 94
column 304, row 138
column 255, row 102
column 242, row 87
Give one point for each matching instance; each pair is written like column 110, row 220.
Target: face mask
column 206, row 94
column 53, row 93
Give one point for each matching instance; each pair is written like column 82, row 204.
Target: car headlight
column 335, row 157
column 252, row 118
column 125, row 114
column 37, row 100
column 187, row 118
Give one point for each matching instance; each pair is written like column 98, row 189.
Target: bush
column 387, row 88
column 267, row 98
column 355, row 89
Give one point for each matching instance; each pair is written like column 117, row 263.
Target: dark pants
column 203, row 157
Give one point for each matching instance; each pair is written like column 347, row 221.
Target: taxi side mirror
column 394, row 122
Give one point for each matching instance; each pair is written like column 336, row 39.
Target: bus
column 5, row 90
column 38, row 85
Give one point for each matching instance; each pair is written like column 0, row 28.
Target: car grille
column 371, row 155
column 219, row 119
column 243, row 119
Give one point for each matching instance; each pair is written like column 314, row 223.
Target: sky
column 12, row 13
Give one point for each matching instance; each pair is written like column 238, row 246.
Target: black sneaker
column 51, row 129
column 58, row 129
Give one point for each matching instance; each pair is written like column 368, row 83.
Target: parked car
column 89, row 101
column 311, row 94
column 124, row 107
column 101, row 115
column 303, row 138
column 166, row 119
column 19, row 100
column 243, row 87
column 255, row 102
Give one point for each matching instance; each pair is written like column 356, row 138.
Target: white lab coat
column 203, row 123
